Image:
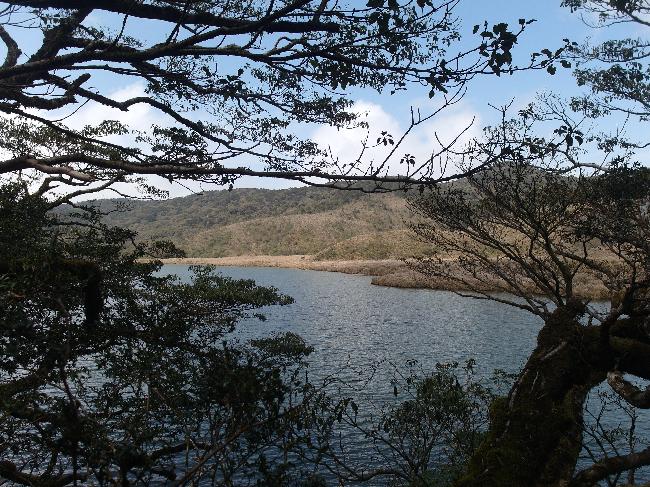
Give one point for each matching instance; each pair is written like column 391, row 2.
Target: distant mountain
column 329, row 224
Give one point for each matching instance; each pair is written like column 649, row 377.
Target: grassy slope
column 342, row 230
column 325, row 223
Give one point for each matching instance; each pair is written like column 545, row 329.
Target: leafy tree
column 232, row 81
column 535, row 235
column 113, row 374
column 615, row 71
column 424, row 437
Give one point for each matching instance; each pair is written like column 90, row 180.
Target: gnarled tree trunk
column 535, row 434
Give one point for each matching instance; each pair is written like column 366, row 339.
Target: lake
column 343, row 316
column 354, row 325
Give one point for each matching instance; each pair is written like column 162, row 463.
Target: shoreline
column 387, row 273
column 305, row 262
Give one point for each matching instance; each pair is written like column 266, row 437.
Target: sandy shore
column 390, row 273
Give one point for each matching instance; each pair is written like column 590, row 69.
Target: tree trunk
column 535, row 434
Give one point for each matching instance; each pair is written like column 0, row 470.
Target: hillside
column 325, row 223
column 306, row 228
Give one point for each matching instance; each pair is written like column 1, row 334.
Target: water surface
column 345, row 318
column 353, row 325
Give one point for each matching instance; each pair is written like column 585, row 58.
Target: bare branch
column 632, row 394
column 610, row 466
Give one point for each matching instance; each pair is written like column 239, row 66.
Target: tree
column 112, row 374
column 562, row 213
column 233, row 81
column 535, row 234
column 424, row 437
column 615, row 71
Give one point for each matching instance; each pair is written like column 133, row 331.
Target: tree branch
column 171, row 14
column 13, row 51
column 610, row 466
column 628, row 391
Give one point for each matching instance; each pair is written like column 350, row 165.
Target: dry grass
column 372, row 228
column 586, row 286
column 307, row 262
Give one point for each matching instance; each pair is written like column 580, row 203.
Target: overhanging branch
column 171, row 14
column 610, row 466
column 632, row 394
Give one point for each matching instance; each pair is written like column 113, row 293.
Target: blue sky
column 553, row 24
column 386, row 112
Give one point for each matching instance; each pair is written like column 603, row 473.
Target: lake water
column 343, row 316
column 353, row 325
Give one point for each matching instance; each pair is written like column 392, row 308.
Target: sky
column 392, row 113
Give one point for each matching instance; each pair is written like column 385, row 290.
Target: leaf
column 569, row 140
column 500, row 28
column 475, row 29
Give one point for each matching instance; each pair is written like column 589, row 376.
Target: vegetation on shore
column 386, row 272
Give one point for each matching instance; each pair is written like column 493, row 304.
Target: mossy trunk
column 535, row 434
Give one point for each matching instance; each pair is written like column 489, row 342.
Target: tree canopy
column 533, row 239
column 233, row 82
column 115, row 374
column 564, row 209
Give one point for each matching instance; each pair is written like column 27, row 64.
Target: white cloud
column 138, row 117
column 423, row 140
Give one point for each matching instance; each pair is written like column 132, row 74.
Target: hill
column 307, row 228
column 326, row 223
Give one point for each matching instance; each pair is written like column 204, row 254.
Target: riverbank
column 389, row 273
column 377, row 268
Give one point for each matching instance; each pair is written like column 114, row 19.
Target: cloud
column 425, row 139
column 138, row 117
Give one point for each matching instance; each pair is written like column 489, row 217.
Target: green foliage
column 425, row 435
column 111, row 372
column 441, row 424
column 615, row 71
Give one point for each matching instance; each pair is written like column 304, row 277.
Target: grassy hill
column 326, row 223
